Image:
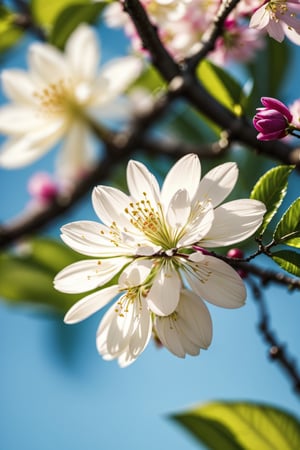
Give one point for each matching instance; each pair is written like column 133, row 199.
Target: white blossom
column 57, row 97
column 159, row 228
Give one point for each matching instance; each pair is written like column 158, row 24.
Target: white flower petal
column 195, row 320
column 164, row 294
column 179, row 210
column 120, row 73
column 185, row 174
column 109, row 204
column 83, row 52
column 217, row 184
column 18, row 86
column 22, row 151
column 115, row 329
column 142, row 334
column 90, row 304
column 292, row 34
column 92, row 239
column 17, row 120
column 140, row 180
column 139, row 339
column 275, row 30
column 77, row 155
column 198, row 225
column 88, row 274
column 48, row 64
column 136, row 273
column 260, row 18
column 234, row 222
column 215, row 281
column 169, row 336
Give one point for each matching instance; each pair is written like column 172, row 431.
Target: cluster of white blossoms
column 143, row 256
column 58, row 98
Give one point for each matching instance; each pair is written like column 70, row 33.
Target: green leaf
column 23, row 281
column 70, row 18
column 273, row 59
column 28, row 276
column 222, row 86
column 242, row 425
column 289, row 261
column 271, row 190
column 150, row 80
column 46, row 12
column 52, row 255
column 9, row 32
column 288, row 228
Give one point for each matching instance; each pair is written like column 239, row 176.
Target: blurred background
column 57, row 393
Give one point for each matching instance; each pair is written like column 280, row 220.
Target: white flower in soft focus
column 279, row 18
column 56, row 98
column 158, row 228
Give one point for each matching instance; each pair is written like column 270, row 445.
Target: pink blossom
column 273, row 120
column 238, row 43
column 42, row 187
column 279, row 18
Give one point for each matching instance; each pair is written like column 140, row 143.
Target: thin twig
column 278, row 351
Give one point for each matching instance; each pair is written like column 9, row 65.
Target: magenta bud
column 272, row 122
column 235, row 253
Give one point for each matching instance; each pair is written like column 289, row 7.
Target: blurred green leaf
column 288, row 228
column 187, row 124
column 28, row 276
column 271, row 190
column 289, row 261
column 52, row 255
column 70, row 18
column 222, row 86
column 273, row 59
column 241, row 426
column 46, row 12
column 149, row 80
column 9, row 32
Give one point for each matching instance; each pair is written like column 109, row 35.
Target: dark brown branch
column 267, row 275
column 184, row 84
column 25, row 21
column 277, row 351
column 151, row 42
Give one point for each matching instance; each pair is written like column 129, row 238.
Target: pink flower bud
column 273, row 120
column 42, row 188
column 235, row 253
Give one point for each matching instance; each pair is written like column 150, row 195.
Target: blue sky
column 57, row 393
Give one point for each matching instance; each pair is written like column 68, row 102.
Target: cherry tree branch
column 277, row 350
column 185, row 85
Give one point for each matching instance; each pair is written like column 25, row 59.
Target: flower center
column 277, row 7
column 58, row 98
column 150, row 221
